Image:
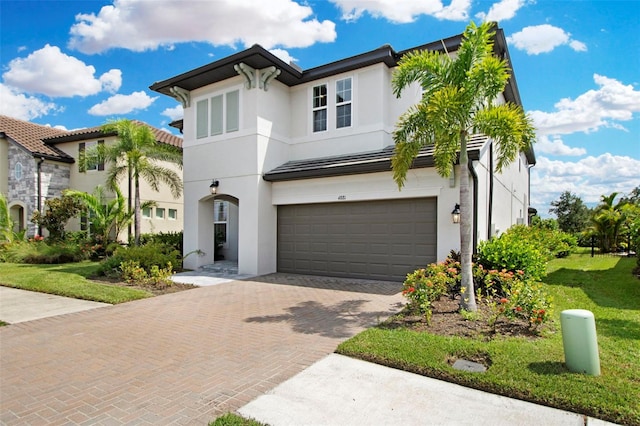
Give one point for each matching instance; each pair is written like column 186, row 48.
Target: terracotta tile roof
column 95, row 132
column 30, row 135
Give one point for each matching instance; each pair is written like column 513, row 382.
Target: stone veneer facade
column 55, row 178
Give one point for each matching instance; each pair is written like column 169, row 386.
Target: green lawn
column 69, row 279
column 534, row 370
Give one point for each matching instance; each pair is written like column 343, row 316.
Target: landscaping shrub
column 147, row 256
column 425, row 286
column 512, row 252
column 37, row 251
column 157, row 277
column 173, row 239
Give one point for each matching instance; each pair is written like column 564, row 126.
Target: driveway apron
column 181, row 358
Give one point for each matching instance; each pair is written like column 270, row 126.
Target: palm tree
column 6, row 223
column 137, row 155
column 607, row 220
column 108, row 217
column 458, row 101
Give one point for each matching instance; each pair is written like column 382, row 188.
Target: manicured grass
column 534, row 370
column 69, row 279
column 231, row 419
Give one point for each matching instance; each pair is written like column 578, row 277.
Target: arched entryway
column 17, row 213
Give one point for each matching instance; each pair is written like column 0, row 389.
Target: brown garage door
column 372, row 239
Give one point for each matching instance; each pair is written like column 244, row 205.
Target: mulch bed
column 156, row 291
column 448, row 321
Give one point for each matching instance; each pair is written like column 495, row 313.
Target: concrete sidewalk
column 21, row 305
column 339, row 390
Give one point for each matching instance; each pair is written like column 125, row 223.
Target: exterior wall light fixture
column 455, row 214
column 214, row 186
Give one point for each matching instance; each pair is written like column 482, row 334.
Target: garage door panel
column 373, row 239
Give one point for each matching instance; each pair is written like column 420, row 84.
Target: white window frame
column 17, row 171
column 320, row 106
column 160, row 212
column 344, row 102
column 147, row 215
column 221, row 217
column 213, row 116
column 172, row 214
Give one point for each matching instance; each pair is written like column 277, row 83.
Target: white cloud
column 140, row 25
column 403, row 11
column 544, row 145
column 284, row 55
column 21, row 106
column 591, row 110
column 50, row 72
column 111, row 81
column 501, row 11
column 543, row 39
column 174, row 113
column 122, row 104
column 588, row 178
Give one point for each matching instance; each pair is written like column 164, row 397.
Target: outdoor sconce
column 455, row 214
column 214, row 186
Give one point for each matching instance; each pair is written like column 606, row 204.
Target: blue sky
column 74, row 64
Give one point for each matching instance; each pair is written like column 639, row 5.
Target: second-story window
column 320, row 108
column 88, row 156
column 218, row 114
column 343, row 103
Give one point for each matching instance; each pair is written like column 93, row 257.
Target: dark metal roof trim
column 360, row 163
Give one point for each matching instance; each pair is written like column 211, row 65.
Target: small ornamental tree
column 57, row 213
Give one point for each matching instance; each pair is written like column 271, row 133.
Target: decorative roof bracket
column 257, row 78
column 248, row 73
column 266, row 75
column 183, row 96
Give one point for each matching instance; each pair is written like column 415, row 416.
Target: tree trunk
column 467, row 291
column 129, row 204
column 137, row 212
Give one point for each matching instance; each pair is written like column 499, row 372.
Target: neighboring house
column 39, row 162
column 301, row 160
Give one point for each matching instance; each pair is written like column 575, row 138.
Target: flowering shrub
column 524, row 300
column 509, row 294
column 157, row 277
column 425, row 286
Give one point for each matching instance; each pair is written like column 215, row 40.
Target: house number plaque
column 342, row 197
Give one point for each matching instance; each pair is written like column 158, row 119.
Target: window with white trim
column 17, row 171
column 218, row 114
column 146, row 213
column 173, row 214
column 220, row 220
column 320, row 108
column 343, row 103
column 159, row 213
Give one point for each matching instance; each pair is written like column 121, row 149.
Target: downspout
column 474, row 176
column 490, row 212
column 39, row 178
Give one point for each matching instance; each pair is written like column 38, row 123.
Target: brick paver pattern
column 182, row 358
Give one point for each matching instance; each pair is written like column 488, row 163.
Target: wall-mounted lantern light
column 455, row 214
column 214, row 186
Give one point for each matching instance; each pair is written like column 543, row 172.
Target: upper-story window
column 320, row 108
column 17, row 171
column 89, row 162
column 218, row 114
column 343, row 103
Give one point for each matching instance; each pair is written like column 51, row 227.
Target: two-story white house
column 299, row 161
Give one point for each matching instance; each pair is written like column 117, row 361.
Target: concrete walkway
column 20, row 305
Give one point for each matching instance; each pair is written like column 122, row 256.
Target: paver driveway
column 182, row 358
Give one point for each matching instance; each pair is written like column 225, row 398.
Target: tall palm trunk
column 137, row 212
column 468, row 301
